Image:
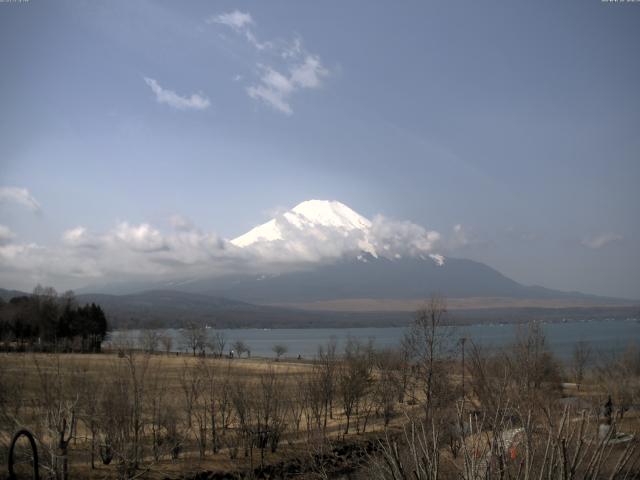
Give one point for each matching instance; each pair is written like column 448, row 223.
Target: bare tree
column 218, row 342
column 201, row 406
column 194, row 337
column 414, row 455
column 167, row 342
column 136, row 367
column 60, row 409
column 149, row 340
column 564, row 445
column 190, row 381
column 354, row 378
column 269, row 408
column 214, row 398
column 489, row 379
column 296, row 395
column 326, row 366
column 90, row 391
column 315, row 401
column 156, row 409
column 533, row 368
column 427, row 341
column 240, row 347
column 387, row 389
column 580, row 359
column 123, row 413
column 242, row 405
column 224, row 399
column 618, row 376
column 279, row 349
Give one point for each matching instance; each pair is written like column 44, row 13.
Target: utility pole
column 462, row 342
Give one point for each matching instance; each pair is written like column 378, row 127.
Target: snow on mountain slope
column 317, row 229
column 306, row 215
column 262, row 233
column 329, row 213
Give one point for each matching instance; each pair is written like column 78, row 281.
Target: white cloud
column 171, row 98
column 126, row 251
column 143, row 237
column 20, row 196
column 302, row 69
column 404, row 238
column 251, row 38
column 293, row 49
column 6, row 235
column 601, row 240
column 309, row 73
column 274, row 97
column 78, row 237
column 275, row 89
column 236, row 19
column 24, row 265
column 240, row 22
column 276, row 81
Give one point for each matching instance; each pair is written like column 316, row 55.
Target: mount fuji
column 307, row 216
column 322, row 263
column 331, row 256
column 321, row 229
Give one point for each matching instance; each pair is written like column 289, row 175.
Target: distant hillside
column 7, row 295
column 172, row 309
column 381, row 278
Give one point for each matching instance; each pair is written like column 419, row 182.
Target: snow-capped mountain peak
column 316, row 229
column 329, row 213
column 305, row 216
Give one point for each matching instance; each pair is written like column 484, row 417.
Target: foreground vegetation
column 435, row 408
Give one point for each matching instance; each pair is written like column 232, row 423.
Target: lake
column 604, row 336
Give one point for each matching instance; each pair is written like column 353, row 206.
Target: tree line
column 46, row 321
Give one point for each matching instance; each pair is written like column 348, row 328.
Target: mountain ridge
column 379, row 278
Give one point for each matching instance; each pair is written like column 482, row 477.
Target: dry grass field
column 177, row 394
column 129, row 414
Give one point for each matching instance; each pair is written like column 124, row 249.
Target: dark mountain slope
column 380, row 278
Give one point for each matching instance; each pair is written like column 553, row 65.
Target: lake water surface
column 604, row 336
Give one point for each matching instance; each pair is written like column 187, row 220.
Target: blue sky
column 517, row 121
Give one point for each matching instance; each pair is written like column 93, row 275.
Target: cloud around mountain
column 312, row 232
column 318, row 230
